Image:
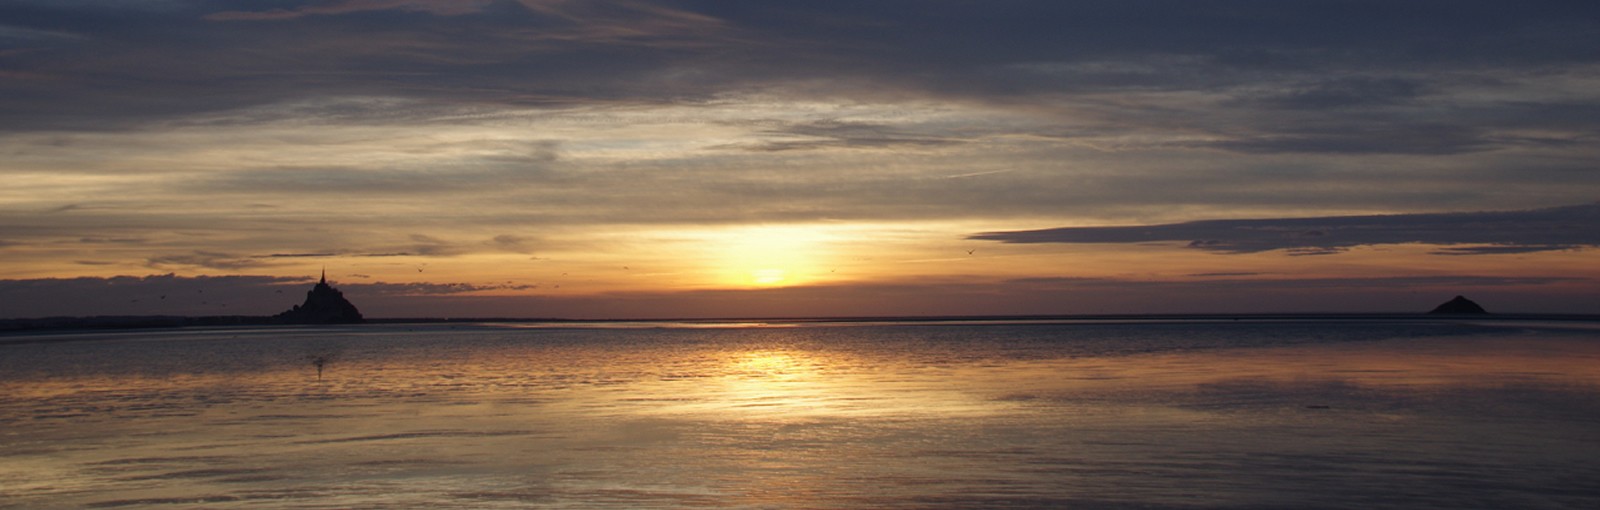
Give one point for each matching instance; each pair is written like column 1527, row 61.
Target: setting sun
column 768, row 276
column 771, row 256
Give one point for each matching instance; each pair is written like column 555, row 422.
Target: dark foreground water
column 1251, row 414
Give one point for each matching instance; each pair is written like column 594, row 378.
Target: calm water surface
column 1254, row 414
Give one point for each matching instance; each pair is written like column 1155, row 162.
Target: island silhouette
column 1459, row 305
column 324, row 305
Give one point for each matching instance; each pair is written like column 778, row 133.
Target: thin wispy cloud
column 333, row 8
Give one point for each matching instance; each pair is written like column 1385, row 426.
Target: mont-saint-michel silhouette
column 324, row 305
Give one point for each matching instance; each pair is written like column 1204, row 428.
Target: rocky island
column 1459, row 305
column 324, row 305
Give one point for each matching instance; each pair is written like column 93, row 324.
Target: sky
column 605, row 159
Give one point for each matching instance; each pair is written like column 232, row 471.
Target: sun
column 770, row 256
column 768, row 276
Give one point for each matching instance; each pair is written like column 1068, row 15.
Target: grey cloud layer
column 1558, row 228
column 1106, row 110
column 114, row 64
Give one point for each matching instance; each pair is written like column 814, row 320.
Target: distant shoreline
column 128, row 323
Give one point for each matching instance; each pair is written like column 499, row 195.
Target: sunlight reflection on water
column 1333, row 415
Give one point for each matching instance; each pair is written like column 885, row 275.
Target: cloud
column 10, row 34
column 427, row 288
column 165, row 294
column 1344, row 93
column 1472, row 233
column 201, row 259
column 841, row 134
column 626, row 22
column 330, row 8
column 1417, row 139
column 204, row 259
column 1292, row 283
column 1501, row 249
column 499, row 54
column 93, row 263
column 513, row 243
column 429, row 246
column 484, row 172
column 113, row 240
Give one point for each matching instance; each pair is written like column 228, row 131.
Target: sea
column 1196, row 412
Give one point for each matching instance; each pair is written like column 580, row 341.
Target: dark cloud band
column 1472, row 233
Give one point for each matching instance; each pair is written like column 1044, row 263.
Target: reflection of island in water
column 324, row 305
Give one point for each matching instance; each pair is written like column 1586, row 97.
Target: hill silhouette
column 1459, row 305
